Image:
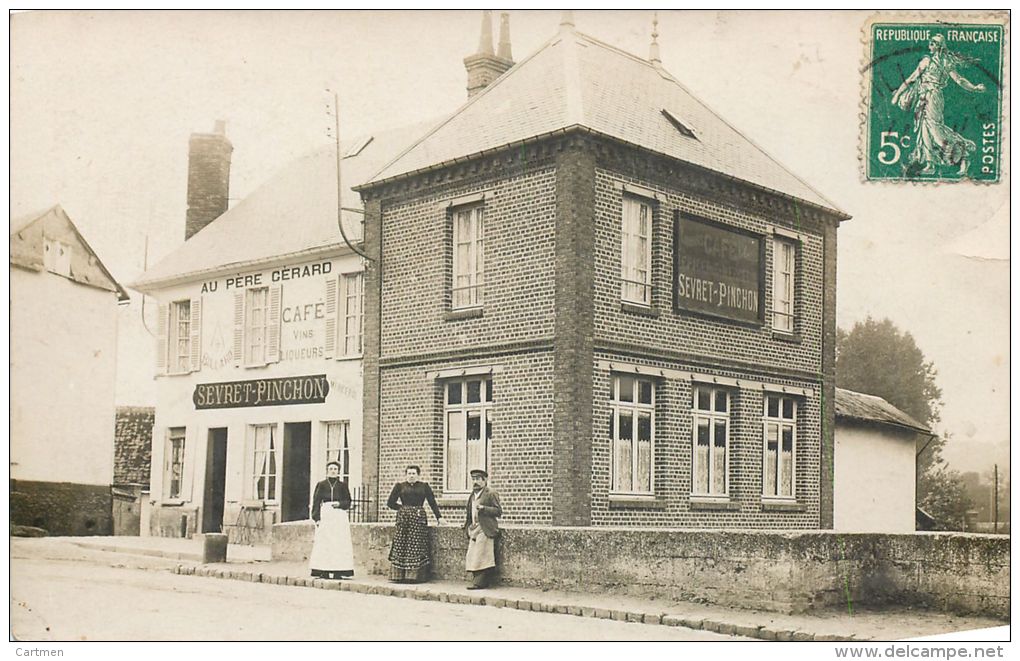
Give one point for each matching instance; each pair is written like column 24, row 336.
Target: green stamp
column 933, row 92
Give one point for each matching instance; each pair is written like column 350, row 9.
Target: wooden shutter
column 273, row 331
column 331, row 314
column 196, row 334
column 238, row 327
column 163, row 312
column 188, row 469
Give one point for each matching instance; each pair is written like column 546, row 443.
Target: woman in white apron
column 332, row 554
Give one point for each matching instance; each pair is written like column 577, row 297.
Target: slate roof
column 292, row 213
column 860, row 407
column 575, row 80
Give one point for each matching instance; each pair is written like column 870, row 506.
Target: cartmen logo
column 934, row 95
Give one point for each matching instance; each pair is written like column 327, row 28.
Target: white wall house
column 63, row 306
column 875, row 464
column 259, row 344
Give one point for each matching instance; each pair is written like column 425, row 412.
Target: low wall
column 62, row 508
column 779, row 571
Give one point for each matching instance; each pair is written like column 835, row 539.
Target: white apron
column 332, row 550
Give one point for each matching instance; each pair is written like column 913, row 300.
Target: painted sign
column 262, row 392
column 717, row 270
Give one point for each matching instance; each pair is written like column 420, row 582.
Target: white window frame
column 468, row 288
column 711, row 417
column 784, row 284
column 338, row 446
column 484, row 409
column 636, row 278
column 271, row 456
column 253, row 331
column 352, row 311
column 179, row 339
column 636, row 408
column 176, row 442
column 780, row 423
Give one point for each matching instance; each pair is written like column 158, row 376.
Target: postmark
column 933, row 98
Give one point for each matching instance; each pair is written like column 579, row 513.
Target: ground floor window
column 780, row 446
column 265, row 463
column 174, row 458
column 468, row 430
column 632, row 431
column 338, row 446
column 711, row 441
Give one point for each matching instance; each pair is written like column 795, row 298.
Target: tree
column 876, row 358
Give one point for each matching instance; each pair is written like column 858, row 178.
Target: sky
column 103, row 103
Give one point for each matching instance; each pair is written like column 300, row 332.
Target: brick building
column 588, row 282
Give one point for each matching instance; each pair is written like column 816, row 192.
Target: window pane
column 786, row 463
column 701, row 453
column 645, row 392
column 644, row 458
column 474, row 425
column 721, row 400
column 787, row 408
column 476, row 453
column 626, row 425
column 719, row 459
column 703, row 399
column 626, row 389
column 453, row 392
column 474, row 392
column 773, row 406
column 624, row 465
column 456, row 474
column 488, row 390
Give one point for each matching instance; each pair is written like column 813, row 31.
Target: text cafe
column 259, row 385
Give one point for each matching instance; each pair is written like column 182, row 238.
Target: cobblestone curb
column 430, row 594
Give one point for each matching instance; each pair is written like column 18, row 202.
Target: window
column 784, row 273
column 338, row 446
column 780, row 446
column 636, row 252
column 632, row 430
column 711, row 441
column 265, row 463
column 174, row 461
column 468, row 257
column 352, row 297
column 256, row 325
column 57, row 257
column 179, row 343
column 468, row 412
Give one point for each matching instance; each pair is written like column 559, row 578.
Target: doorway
column 297, row 467
column 215, row 480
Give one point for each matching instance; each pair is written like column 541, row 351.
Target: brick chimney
column 208, row 177
column 486, row 65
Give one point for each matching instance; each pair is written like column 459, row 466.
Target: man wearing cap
column 482, row 529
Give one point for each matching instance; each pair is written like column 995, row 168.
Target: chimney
column 208, row 177
column 486, row 66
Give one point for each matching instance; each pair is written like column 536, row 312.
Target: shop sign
column 262, row 392
column 717, row 270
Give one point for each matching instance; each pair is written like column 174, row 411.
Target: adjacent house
column 63, row 306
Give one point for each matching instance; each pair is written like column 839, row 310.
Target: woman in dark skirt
column 409, row 554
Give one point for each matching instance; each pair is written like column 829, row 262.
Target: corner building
column 587, row 282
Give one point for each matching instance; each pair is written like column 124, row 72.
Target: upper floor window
column 256, row 325
column 173, row 476
column 632, row 430
column 179, row 342
column 468, row 256
column 352, row 297
column 57, row 257
column 780, row 446
column 636, row 251
column 783, row 284
column 711, row 441
column 468, row 415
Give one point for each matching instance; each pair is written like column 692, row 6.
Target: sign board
column 261, row 392
column 717, row 270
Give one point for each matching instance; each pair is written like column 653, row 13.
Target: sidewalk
column 253, row 564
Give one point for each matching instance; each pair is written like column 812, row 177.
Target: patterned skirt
column 409, row 553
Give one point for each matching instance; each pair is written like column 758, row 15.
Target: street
column 77, row 595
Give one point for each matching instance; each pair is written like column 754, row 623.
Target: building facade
column 589, row 284
column 63, row 305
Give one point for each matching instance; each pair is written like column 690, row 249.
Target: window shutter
column 188, row 469
column 161, row 331
column 196, row 334
column 273, row 332
column 238, row 327
column 331, row 317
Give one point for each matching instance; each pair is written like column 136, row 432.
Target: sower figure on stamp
column 482, row 529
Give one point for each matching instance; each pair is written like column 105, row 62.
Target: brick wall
column 62, row 508
column 132, row 448
column 776, row 571
column 208, row 179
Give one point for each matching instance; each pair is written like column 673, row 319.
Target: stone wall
column 788, row 572
column 62, row 508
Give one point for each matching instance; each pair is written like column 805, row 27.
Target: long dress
column 332, row 552
column 934, row 142
column 409, row 553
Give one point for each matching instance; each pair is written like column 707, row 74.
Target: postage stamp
column 933, row 92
